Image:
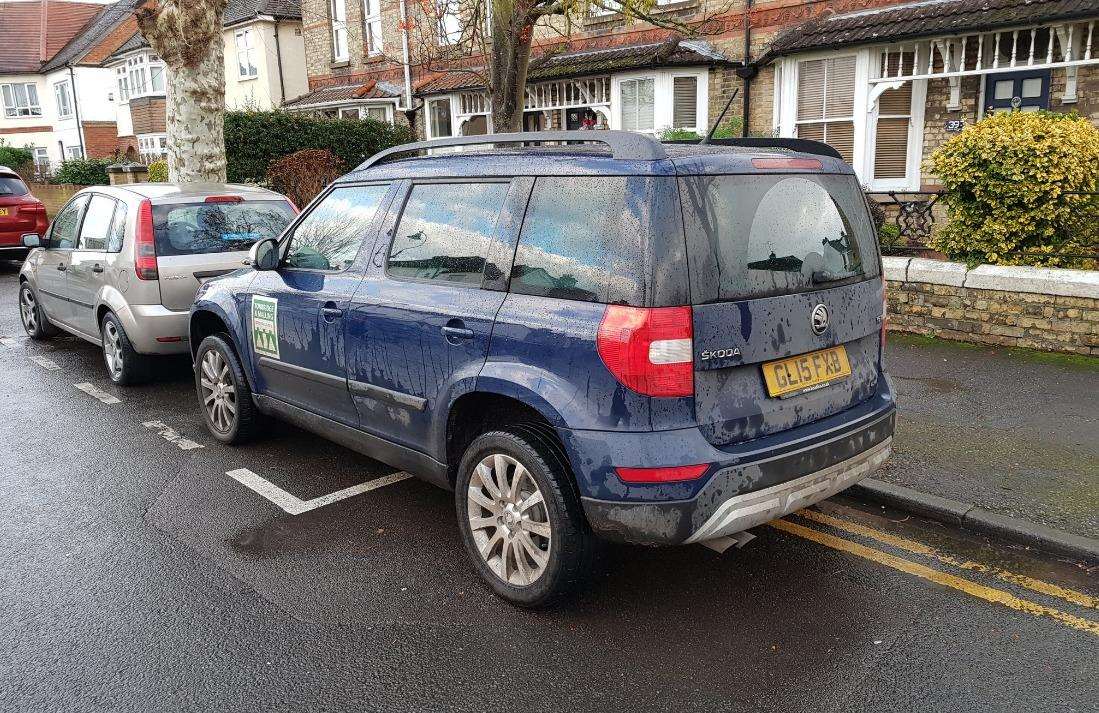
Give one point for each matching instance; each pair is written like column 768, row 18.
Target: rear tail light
column 649, row 350
column 145, row 243
column 670, row 474
column 224, row 199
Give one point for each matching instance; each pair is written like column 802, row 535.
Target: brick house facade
column 824, row 56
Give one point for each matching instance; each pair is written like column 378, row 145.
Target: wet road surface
column 135, row 574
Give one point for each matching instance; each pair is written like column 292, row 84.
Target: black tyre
column 520, row 518
column 223, row 392
column 125, row 366
column 35, row 322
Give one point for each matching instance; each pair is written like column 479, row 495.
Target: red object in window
column 798, row 163
column 224, row 199
column 649, row 349
column 294, row 206
column 668, row 474
column 145, row 243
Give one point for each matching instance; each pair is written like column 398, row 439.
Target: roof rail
column 624, row 145
column 802, row 145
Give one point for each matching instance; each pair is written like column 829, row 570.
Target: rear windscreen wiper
column 823, row 276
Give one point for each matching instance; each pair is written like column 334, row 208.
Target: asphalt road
column 136, row 575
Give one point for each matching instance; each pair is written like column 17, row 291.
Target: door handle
column 331, row 312
column 453, row 334
column 97, row 268
column 62, row 266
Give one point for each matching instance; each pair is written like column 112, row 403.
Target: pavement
column 1011, row 431
column 136, row 574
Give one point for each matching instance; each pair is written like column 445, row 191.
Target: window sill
column 17, row 118
column 338, row 64
column 248, row 79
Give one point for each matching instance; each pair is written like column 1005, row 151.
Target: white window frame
column 337, row 13
column 244, row 39
column 73, row 153
column 123, row 78
column 451, row 100
column 372, row 27
column 33, row 109
column 450, row 23
column 865, row 116
column 663, row 98
column 153, row 147
column 136, row 76
column 63, row 98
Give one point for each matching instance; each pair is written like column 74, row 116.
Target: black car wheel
column 521, row 521
column 35, row 322
column 223, row 391
column 124, row 365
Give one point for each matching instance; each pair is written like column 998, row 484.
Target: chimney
column 43, row 23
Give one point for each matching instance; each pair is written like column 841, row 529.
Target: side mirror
column 32, row 240
column 264, row 255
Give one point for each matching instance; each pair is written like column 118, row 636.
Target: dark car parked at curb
column 646, row 342
column 20, row 214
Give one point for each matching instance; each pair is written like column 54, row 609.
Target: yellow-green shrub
column 1008, row 179
column 158, row 171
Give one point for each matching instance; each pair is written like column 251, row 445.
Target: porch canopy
column 571, row 80
column 951, row 39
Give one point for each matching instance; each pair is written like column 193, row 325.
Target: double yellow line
column 980, row 591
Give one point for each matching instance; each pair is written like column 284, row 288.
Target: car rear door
column 51, row 276
column 87, row 262
column 787, row 300
column 200, row 238
column 418, row 329
column 296, row 312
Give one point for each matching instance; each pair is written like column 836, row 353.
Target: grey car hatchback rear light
column 624, row 145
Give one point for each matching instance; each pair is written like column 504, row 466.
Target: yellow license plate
column 786, row 377
column 3, row 212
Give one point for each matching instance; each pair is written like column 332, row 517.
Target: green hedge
column 84, row 172
column 15, row 158
column 255, row 139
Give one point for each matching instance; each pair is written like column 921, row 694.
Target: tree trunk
column 187, row 36
column 510, row 58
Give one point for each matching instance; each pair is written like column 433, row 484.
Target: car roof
column 180, row 192
column 589, row 160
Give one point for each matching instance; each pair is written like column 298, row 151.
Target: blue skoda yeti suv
column 607, row 337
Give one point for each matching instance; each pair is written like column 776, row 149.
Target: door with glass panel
column 1023, row 91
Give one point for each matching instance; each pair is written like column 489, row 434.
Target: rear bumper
column 144, row 323
column 744, row 492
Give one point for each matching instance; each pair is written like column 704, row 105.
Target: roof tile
column 31, row 27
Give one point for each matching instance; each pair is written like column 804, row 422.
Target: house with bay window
column 887, row 86
column 264, row 67
column 883, row 81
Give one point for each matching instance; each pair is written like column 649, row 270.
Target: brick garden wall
column 1047, row 309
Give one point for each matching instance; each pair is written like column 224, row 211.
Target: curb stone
column 972, row 517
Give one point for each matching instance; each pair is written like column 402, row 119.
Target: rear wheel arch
column 478, row 412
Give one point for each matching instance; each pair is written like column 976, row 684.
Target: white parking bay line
column 296, row 506
column 44, row 362
column 172, row 436
column 8, row 341
column 103, row 396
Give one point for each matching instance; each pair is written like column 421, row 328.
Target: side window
column 585, row 239
column 63, row 231
column 118, row 229
column 329, row 237
column 97, row 224
column 445, row 230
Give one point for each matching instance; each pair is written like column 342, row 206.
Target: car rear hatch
column 18, row 211
column 787, row 295
column 205, row 237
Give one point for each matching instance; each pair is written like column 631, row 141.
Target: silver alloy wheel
column 28, row 310
column 219, row 396
column 508, row 518
column 112, row 349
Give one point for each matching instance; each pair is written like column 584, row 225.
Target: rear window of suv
column 752, row 235
column 200, row 228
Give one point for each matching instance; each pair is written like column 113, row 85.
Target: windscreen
column 200, row 228
column 753, row 235
column 12, row 186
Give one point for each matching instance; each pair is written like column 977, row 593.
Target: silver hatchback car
column 120, row 265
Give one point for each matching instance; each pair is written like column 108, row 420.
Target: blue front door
column 419, row 325
column 296, row 313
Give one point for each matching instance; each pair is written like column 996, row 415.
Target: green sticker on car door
column 265, row 326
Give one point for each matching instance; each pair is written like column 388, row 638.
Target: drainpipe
column 278, row 60
column 748, row 71
column 404, row 51
column 76, row 109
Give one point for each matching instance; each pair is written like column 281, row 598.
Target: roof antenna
column 717, row 123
